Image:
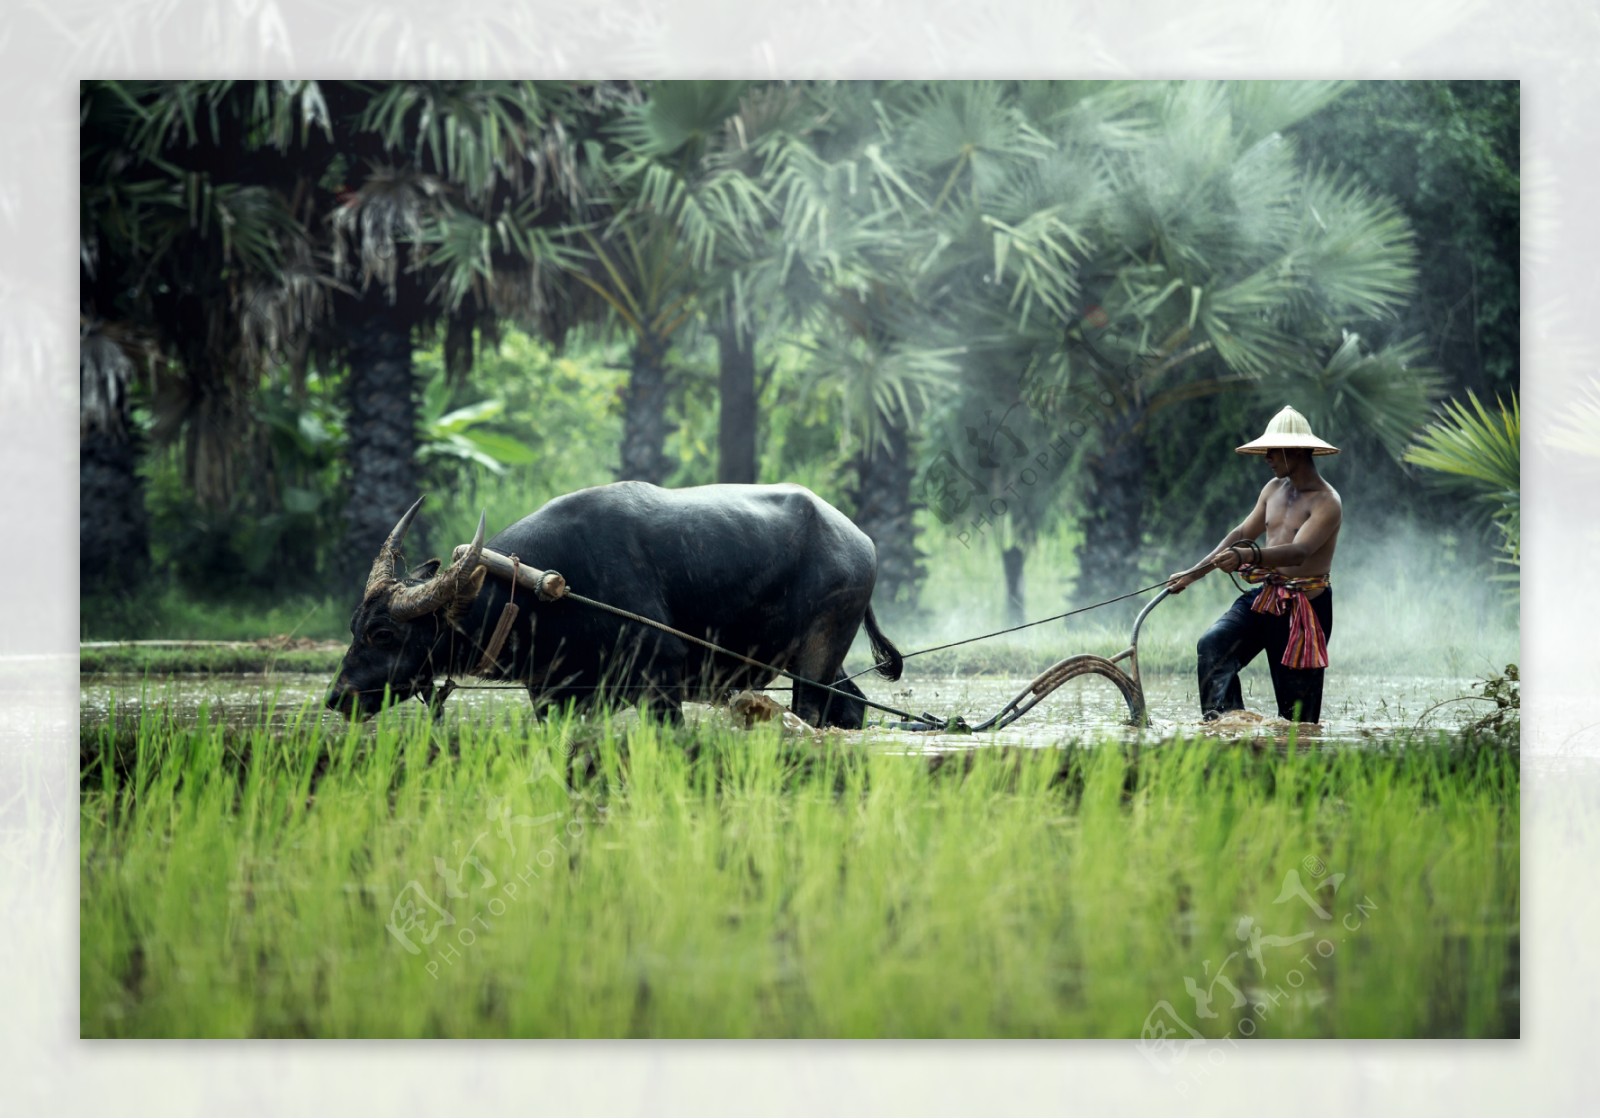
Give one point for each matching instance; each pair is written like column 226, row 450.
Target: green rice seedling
column 284, row 873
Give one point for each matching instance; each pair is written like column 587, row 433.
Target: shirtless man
column 1291, row 614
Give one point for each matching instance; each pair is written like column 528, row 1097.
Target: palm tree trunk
column 1012, row 559
column 645, row 426
column 1113, row 520
column 384, row 476
column 884, row 512
column 737, row 415
column 113, row 529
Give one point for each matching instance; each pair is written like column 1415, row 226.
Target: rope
column 562, row 590
column 497, row 640
column 1014, row 629
column 664, row 628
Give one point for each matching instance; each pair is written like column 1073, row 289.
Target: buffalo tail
column 890, row 662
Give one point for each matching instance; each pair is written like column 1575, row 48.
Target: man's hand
column 1178, row 580
column 1225, row 559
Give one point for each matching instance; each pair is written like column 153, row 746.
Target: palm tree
column 1004, row 212
column 690, row 234
column 852, row 239
column 113, row 528
column 739, row 207
column 754, row 297
column 194, row 268
column 1479, row 453
column 446, row 217
column 1155, row 244
column 247, row 226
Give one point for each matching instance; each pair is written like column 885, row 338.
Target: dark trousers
column 1233, row 642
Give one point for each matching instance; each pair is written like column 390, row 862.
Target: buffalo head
column 399, row 628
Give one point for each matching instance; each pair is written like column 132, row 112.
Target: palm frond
column 387, row 212
column 493, row 259
column 1243, row 320
column 1385, row 393
column 105, row 372
column 966, row 136
column 1578, row 429
column 1262, row 189
column 1480, row 453
column 473, row 134
column 1042, row 256
column 885, row 386
column 1172, row 198
column 678, row 115
column 1261, row 108
column 1089, row 115
column 1354, row 252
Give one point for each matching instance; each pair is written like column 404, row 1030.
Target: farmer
column 1291, row 614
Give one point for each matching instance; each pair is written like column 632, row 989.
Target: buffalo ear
column 425, row 571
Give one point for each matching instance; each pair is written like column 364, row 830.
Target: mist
column 1408, row 602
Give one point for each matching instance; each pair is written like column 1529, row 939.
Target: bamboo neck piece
column 548, row 585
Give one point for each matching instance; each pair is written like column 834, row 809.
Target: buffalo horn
column 386, row 568
column 413, row 602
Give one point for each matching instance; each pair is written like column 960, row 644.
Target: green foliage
column 1480, row 454
column 1505, row 721
column 1381, row 393
column 464, row 433
column 475, row 133
column 1144, row 261
column 563, row 409
column 264, row 877
column 224, row 660
column 1449, row 154
column 184, row 613
column 549, row 428
column 194, row 279
column 803, row 435
column 1219, row 263
column 274, row 535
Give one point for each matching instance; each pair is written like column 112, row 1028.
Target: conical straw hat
column 1287, row 429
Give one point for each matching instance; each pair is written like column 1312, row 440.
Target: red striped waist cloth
column 1308, row 645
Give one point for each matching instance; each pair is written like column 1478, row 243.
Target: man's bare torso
column 1288, row 509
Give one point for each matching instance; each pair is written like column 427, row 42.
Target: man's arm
column 1248, row 529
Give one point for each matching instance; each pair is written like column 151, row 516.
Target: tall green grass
column 616, row 878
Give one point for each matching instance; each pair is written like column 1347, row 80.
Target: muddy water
column 1356, row 708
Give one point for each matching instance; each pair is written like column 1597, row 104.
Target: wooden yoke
column 548, row 585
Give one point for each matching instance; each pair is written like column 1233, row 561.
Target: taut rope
column 551, row 586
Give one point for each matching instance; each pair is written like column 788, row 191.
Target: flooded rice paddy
column 1357, row 708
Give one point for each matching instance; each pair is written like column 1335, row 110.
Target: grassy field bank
column 492, row 877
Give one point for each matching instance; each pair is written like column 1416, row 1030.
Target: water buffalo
column 772, row 572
